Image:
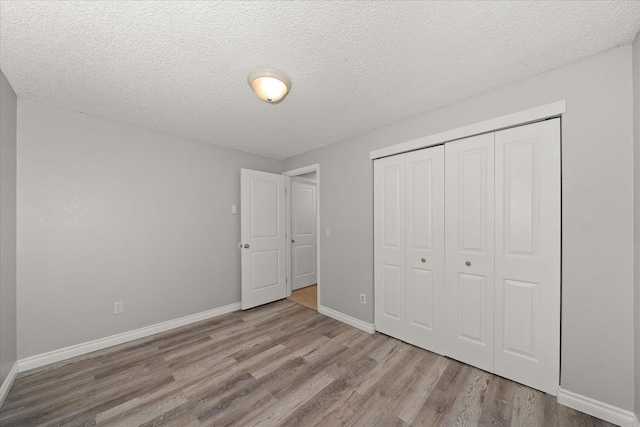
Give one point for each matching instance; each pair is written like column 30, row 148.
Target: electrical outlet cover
column 118, row 307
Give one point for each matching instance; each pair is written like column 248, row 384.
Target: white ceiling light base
column 270, row 85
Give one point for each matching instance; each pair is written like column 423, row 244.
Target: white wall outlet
column 363, row 299
column 118, row 307
column 234, row 209
column 327, row 231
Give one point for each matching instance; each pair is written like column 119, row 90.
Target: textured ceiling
column 181, row 67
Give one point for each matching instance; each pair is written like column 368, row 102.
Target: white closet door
column 389, row 252
column 424, row 322
column 469, row 270
column 527, row 265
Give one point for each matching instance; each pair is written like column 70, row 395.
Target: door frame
column 288, row 174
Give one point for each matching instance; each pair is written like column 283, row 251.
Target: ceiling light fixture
column 270, row 85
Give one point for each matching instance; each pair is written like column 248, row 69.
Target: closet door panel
column 419, row 300
column 527, row 264
column 472, row 308
column 389, row 236
column 425, row 248
column 469, row 256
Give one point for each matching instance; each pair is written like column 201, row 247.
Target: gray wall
column 636, row 209
column 597, row 148
column 114, row 212
column 7, row 228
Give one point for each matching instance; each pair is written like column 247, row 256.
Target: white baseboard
column 102, row 343
column 356, row 323
column 598, row 409
column 7, row 383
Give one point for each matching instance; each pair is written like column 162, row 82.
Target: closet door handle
column 467, row 263
column 423, row 260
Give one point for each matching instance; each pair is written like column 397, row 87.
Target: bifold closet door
column 527, row 263
column 389, row 245
column 409, row 247
column 469, row 256
column 486, row 291
column 424, row 177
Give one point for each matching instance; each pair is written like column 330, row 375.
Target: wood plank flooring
column 306, row 296
column 277, row 365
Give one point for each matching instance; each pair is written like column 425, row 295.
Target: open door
column 303, row 233
column 263, row 242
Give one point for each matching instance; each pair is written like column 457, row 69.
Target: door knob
column 293, row 241
column 467, row 263
column 246, row 246
column 423, row 260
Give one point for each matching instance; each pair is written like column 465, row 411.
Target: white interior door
column 263, row 243
column 303, row 233
column 527, row 265
column 424, row 177
column 469, row 256
column 389, row 245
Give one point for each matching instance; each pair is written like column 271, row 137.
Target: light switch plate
column 234, row 209
column 327, row 231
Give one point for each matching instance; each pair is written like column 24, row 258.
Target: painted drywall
column 8, row 101
column 597, row 188
column 114, row 212
column 636, row 216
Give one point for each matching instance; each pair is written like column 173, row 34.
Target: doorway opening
column 303, row 235
column 307, row 296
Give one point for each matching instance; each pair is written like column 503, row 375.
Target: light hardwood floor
column 279, row 364
column 306, row 296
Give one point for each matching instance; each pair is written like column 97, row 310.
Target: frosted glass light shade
column 270, row 85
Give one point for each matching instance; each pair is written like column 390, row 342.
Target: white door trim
column 288, row 174
column 301, row 179
column 305, row 169
column 510, row 120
